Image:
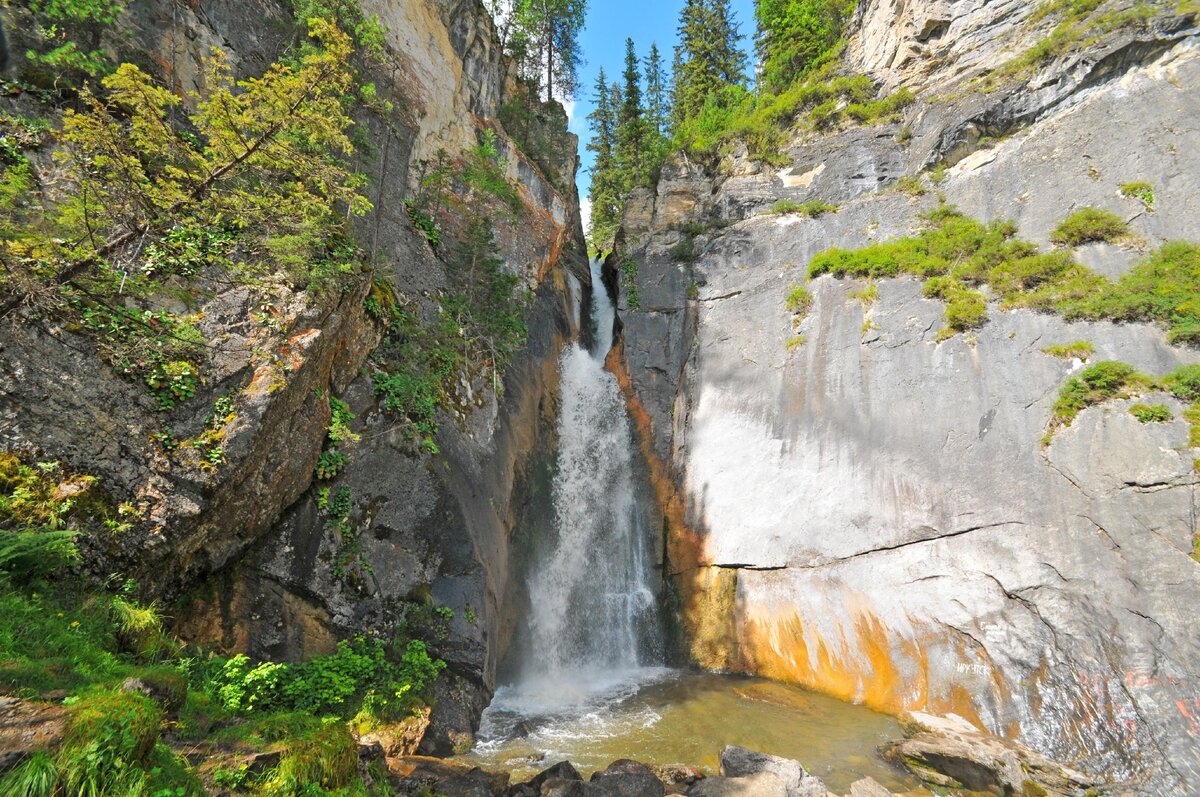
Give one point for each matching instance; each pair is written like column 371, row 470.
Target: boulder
column 869, row 787
column 627, row 778
column 739, row 762
column 676, row 777
column 562, row 787
column 27, row 728
column 762, row 784
column 949, row 752
column 399, row 738
column 417, row 773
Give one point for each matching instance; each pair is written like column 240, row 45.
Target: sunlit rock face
column 871, row 512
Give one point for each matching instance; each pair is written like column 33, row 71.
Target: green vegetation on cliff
column 956, row 254
column 135, row 697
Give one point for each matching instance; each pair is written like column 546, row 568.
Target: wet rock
column 564, row 770
column 27, row 728
column 868, row 787
column 950, row 753
column 763, row 784
column 559, row 787
column 627, row 778
column 676, row 778
column 412, row 774
column 740, row 762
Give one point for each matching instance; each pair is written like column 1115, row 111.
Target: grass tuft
column 1087, row 225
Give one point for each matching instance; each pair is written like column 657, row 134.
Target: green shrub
column 331, row 463
column 1184, row 382
column 1079, row 350
column 684, row 251
column 798, row 301
column 326, row 758
column 911, row 185
column 1142, row 191
column 1151, row 413
column 629, row 287
column 1096, row 384
column 1089, row 224
column 782, row 206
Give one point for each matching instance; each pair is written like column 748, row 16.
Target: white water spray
column 593, row 620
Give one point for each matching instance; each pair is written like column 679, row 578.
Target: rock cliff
column 869, row 511
column 260, row 567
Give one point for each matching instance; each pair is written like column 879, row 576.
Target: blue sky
column 609, row 23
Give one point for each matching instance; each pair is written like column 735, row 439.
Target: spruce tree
column 657, row 101
column 708, row 58
column 548, row 33
column 631, row 127
column 605, row 192
column 796, row 36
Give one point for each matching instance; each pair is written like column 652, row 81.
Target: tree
column 657, row 101
column 631, row 127
column 550, row 30
column 605, row 191
column 708, row 57
column 796, row 36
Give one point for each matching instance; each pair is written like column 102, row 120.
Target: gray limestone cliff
column 871, row 512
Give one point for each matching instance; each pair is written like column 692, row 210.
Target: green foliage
column 812, row 208
column 1184, row 382
column 1163, row 287
column 324, row 758
column 685, row 250
column 1089, row 224
column 330, row 463
column 796, row 36
column 1079, row 350
column 1142, row 191
column 910, row 185
column 1096, row 384
column 423, row 223
column 795, row 342
column 1151, row 413
column 66, row 40
column 629, row 287
column 252, row 185
column 362, row 674
column 110, row 737
column 867, row 296
column 708, row 61
column 36, row 777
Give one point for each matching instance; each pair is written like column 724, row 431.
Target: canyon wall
column 869, row 511
column 241, row 550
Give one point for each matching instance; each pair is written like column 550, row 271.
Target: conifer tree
column 708, row 58
column 631, row 126
column 548, row 31
column 605, row 192
column 657, row 101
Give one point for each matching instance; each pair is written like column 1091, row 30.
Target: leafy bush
column 1096, row 384
column 1141, row 191
column 798, row 302
column 629, row 287
column 911, row 185
column 330, row 464
column 684, row 251
column 1089, row 224
column 1151, row 413
column 359, row 675
column 812, row 208
column 1184, row 382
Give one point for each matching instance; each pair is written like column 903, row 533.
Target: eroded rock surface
column 870, row 512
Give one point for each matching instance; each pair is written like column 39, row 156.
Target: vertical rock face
column 871, row 513
column 432, row 529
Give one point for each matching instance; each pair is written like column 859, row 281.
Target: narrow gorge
column 846, row 440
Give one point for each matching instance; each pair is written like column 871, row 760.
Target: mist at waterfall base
column 590, row 681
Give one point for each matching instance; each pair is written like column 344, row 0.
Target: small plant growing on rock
column 1151, row 413
column 911, row 185
column 1141, row 191
column 799, row 300
column 1079, row 350
column 812, row 208
column 1088, row 225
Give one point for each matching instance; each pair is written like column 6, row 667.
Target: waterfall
column 593, row 618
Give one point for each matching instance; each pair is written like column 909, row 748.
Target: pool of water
column 661, row 716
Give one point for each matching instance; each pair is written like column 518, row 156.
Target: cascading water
column 592, row 607
column 587, row 681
